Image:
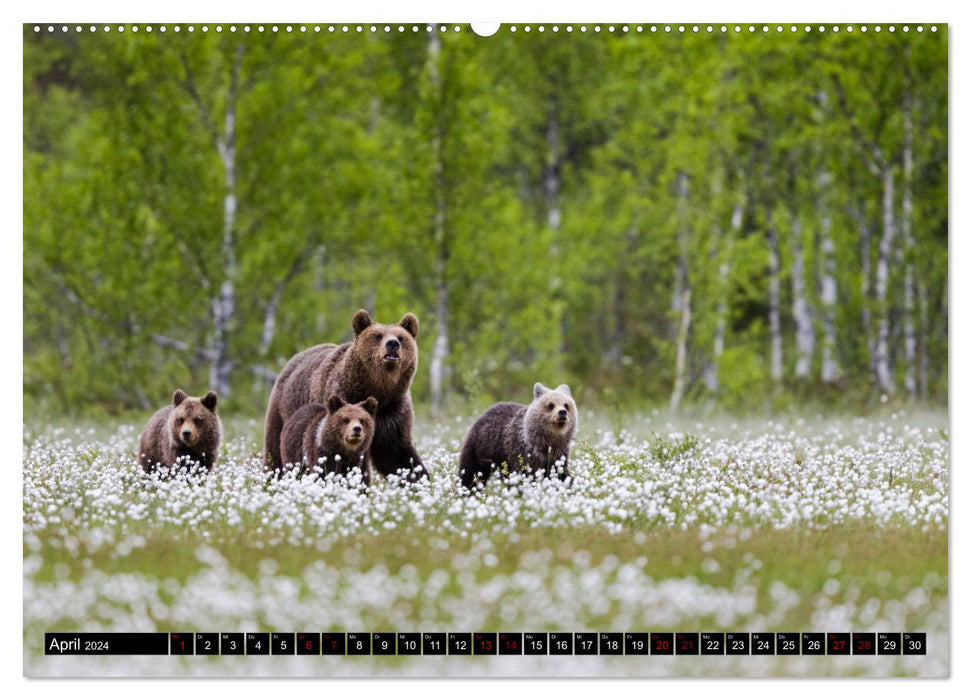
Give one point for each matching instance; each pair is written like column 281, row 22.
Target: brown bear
column 532, row 439
column 336, row 437
column 184, row 433
column 380, row 362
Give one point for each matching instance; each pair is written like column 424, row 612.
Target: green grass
column 879, row 563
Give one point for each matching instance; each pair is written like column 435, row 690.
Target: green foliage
column 672, row 447
column 554, row 162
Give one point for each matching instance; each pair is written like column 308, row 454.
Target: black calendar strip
column 487, row 643
column 105, row 643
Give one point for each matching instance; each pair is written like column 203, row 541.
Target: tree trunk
column 711, row 374
column 551, row 175
column 224, row 304
column 269, row 321
column 906, row 229
column 319, row 284
column 614, row 352
column 264, row 375
column 805, row 335
column 924, row 340
column 681, row 361
column 881, row 358
column 866, row 327
column 880, row 166
column 830, row 370
column 681, row 300
column 440, row 351
column 552, row 184
column 775, row 327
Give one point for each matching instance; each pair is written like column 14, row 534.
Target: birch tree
column 882, row 169
column 440, row 351
column 681, row 300
column 906, row 228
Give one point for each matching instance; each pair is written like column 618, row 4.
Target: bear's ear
column 178, row 397
column 370, row 405
column 361, row 320
column 334, row 403
column 410, row 323
column 209, row 400
column 538, row 390
column 564, row 389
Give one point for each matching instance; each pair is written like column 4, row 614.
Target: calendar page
column 512, row 350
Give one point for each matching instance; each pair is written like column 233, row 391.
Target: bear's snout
column 186, row 434
column 562, row 414
column 354, row 434
column 392, row 345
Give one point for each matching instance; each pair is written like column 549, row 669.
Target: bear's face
column 193, row 418
column 554, row 408
column 387, row 350
column 351, row 424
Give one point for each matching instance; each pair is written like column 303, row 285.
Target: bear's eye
column 346, row 421
column 180, row 421
column 549, row 407
column 197, row 421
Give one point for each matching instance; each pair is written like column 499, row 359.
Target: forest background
column 739, row 221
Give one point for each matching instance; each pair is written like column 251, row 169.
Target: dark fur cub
column 514, row 438
column 335, row 436
column 187, row 432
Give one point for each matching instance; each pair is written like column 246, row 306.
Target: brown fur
column 338, row 433
column 355, row 370
column 186, row 431
column 532, row 439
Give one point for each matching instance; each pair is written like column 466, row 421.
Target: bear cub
column 186, row 432
column 532, row 439
column 336, row 436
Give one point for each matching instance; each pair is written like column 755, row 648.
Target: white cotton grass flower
column 86, row 500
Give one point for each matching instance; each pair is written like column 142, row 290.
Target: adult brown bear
column 379, row 362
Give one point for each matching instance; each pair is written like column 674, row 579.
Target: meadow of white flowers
column 87, row 505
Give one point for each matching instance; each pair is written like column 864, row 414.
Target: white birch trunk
column 880, row 167
column 775, row 326
column 924, row 336
column 551, row 176
column 273, row 306
column 711, row 375
column 224, row 304
column 865, row 273
column 269, row 321
column 614, row 352
column 681, row 361
column 440, row 351
column 881, row 360
column 319, row 284
column 805, row 335
column 830, row 369
column 906, row 229
column 682, row 297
